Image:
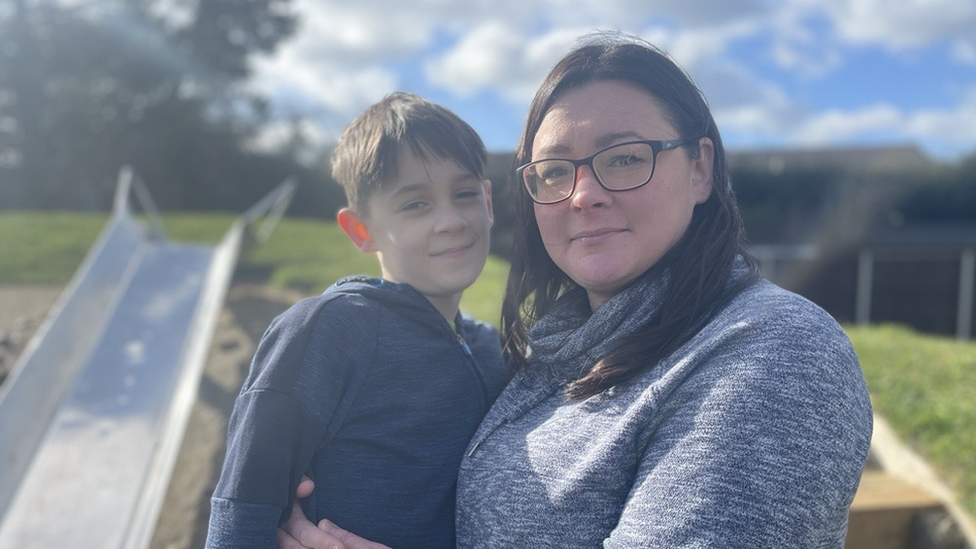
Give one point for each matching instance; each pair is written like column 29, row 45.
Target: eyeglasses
column 621, row 167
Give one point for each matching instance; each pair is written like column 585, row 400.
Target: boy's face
column 430, row 228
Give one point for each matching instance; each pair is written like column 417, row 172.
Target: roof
column 851, row 159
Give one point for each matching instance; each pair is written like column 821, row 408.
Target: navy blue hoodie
column 368, row 390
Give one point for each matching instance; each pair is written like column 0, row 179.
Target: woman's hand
column 299, row 533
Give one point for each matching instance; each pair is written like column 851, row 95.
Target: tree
column 86, row 88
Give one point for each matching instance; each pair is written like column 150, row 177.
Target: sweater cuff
column 241, row 525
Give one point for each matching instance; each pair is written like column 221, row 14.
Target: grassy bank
column 923, row 385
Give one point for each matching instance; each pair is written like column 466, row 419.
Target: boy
column 376, row 386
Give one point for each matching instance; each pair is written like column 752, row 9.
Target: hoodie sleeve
column 304, row 376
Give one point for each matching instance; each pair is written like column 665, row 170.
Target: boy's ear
column 356, row 230
column 491, row 213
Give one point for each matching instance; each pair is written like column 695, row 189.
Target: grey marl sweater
column 751, row 435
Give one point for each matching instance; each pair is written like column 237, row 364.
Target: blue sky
column 777, row 73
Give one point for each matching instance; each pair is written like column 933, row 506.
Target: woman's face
column 604, row 240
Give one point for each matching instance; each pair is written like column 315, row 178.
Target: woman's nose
column 588, row 193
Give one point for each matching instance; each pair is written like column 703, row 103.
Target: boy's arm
column 300, row 533
column 303, row 378
column 269, row 442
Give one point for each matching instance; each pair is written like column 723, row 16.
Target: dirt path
column 22, row 309
column 247, row 311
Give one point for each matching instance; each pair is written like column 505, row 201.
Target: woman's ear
column 701, row 170
column 356, row 230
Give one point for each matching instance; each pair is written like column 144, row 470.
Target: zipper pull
column 464, row 346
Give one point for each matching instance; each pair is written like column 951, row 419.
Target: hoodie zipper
column 464, row 346
column 472, row 364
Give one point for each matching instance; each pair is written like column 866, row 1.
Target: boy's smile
column 430, row 228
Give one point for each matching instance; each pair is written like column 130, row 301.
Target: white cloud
column 964, row 52
column 799, row 48
column 324, row 86
column 751, row 111
column 627, row 13
column 498, row 56
column 704, row 44
column 799, row 60
column 947, row 124
column 299, row 133
column 900, row 25
column 483, row 58
column 748, row 120
column 512, row 58
column 348, row 55
column 947, row 129
column 361, row 31
column 718, row 12
column 335, row 66
column 944, row 132
column 837, row 125
column 341, row 55
column 729, row 85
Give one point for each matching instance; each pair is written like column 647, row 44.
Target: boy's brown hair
column 366, row 157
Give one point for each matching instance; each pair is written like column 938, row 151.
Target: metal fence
column 929, row 289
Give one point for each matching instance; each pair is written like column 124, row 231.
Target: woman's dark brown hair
column 700, row 262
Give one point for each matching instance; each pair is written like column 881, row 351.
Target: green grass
column 44, row 248
column 301, row 254
column 924, row 387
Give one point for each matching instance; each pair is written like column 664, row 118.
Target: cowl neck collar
column 570, row 338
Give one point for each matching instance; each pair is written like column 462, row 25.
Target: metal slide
column 93, row 414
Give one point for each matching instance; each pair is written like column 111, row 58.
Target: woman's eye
column 554, row 173
column 625, row 160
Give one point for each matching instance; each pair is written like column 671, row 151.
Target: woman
column 666, row 395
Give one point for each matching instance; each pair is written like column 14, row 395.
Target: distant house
column 855, row 255
column 848, row 159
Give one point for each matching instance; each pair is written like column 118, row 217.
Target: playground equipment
column 93, row 413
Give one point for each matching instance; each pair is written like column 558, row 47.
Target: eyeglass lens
column 618, row 168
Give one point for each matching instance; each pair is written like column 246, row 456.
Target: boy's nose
column 449, row 220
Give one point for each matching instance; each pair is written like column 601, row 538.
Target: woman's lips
column 595, row 235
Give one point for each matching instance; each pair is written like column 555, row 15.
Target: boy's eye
column 467, row 193
column 413, row 205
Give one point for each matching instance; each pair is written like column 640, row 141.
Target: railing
column 911, row 285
